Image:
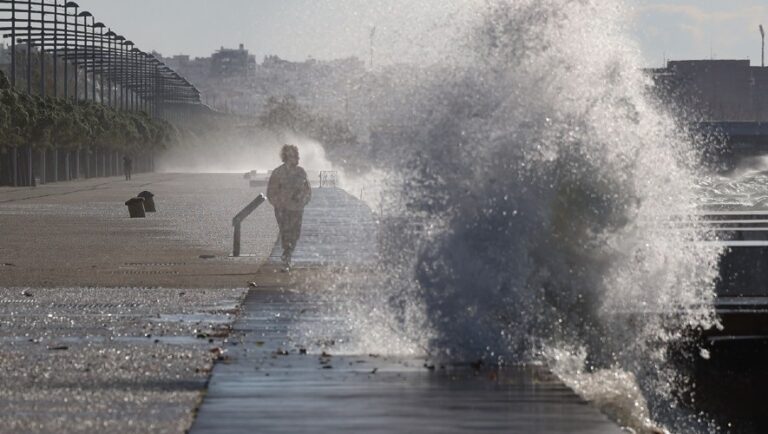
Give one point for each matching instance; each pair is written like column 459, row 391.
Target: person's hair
column 287, row 151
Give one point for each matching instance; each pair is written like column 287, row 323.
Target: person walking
column 127, row 167
column 288, row 191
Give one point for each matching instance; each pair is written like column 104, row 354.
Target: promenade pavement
column 79, row 233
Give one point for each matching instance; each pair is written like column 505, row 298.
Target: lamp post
column 111, row 37
column 56, row 77
column 29, row 48
column 121, row 73
column 136, row 79
column 66, row 49
column 150, row 84
column 97, row 59
column 145, row 82
column 75, row 57
column 56, row 48
column 99, row 26
column 84, row 15
column 43, row 43
column 13, row 43
column 139, row 79
column 155, row 70
column 42, row 49
column 128, row 70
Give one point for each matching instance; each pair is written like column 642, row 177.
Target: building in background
column 232, row 63
column 232, row 81
column 716, row 90
column 726, row 99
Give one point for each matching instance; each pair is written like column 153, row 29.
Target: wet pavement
column 108, row 359
column 273, row 382
column 269, row 385
column 338, row 230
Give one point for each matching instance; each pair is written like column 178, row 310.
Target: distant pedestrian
column 289, row 192
column 127, row 167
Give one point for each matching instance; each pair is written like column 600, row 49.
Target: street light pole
column 127, row 83
column 110, row 34
column 77, row 73
column 101, row 26
column 134, row 94
column 42, row 50
column 29, row 48
column 121, row 76
column 144, row 82
column 13, row 43
column 66, row 49
column 95, row 64
column 84, row 15
column 56, row 48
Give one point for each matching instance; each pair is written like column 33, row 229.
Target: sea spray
column 227, row 152
column 535, row 180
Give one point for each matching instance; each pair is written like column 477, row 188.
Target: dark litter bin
column 149, row 201
column 136, row 207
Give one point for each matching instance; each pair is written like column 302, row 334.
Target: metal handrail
column 329, row 178
column 238, row 220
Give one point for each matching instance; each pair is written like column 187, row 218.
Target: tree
column 27, row 120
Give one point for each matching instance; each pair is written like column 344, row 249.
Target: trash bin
column 149, row 201
column 136, row 207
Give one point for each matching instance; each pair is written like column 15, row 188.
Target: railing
column 329, row 179
column 238, row 221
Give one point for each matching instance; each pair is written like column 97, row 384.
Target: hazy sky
column 721, row 29
column 296, row 29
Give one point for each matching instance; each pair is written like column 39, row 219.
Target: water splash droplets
column 560, row 134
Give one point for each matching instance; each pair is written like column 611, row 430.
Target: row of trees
column 56, row 123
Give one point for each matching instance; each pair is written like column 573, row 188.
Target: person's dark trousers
column 289, row 222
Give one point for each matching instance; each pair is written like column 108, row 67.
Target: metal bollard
column 149, row 201
column 136, row 207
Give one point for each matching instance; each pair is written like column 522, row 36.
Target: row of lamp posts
column 114, row 72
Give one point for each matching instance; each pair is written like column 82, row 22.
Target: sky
column 701, row 29
column 323, row 29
